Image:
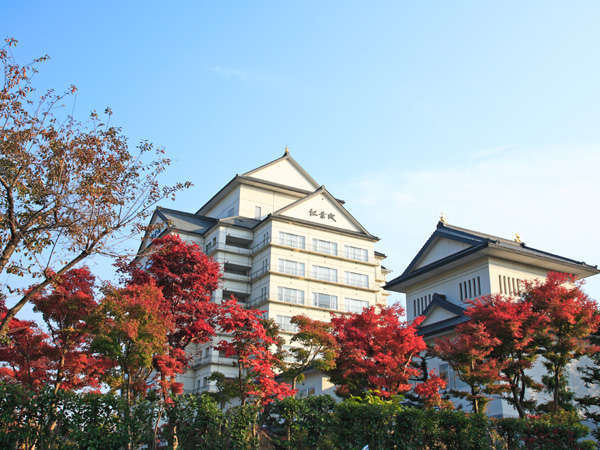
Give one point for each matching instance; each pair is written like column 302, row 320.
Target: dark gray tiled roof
column 186, row 221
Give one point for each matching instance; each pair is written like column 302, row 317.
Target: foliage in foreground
column 103, row 421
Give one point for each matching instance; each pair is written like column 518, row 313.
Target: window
column 285, row 324
column 257, row 212
column 324, row 273
column 359, row 254
column 327, row 247
column 291, row 267
column 357, row 279
column 290, row 295
column 469, row 288
column 509, row 285
column 355, row 306
column 324, row 300
column 291, row 240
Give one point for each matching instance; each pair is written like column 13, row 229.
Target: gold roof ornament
column 286, row 151
column 518, row 238
column 443, row 219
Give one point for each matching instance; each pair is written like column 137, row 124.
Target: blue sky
column 487, row 111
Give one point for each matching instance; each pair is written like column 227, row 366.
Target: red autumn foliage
column 375, row 352
column 60, row 358
column 187, row 278
column 514, row 326
column 248, row 343
column 468, row 353
column 570, row 318
column 429, row 391
column 25, row 358
column 65, row 310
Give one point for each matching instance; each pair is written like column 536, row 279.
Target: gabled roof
column 476, row 241
column 285, row 157
column 439, row 301
column 250, row 179
column 322, row 191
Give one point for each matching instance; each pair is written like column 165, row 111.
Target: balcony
column 326, row 278
column 315, row 250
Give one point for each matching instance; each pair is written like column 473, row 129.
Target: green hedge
column 102, row 421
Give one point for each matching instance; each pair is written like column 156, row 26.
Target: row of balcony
column 242, row 246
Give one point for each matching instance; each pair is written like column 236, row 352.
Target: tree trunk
column 557, row 373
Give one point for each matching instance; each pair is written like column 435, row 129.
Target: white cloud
column 549, row 196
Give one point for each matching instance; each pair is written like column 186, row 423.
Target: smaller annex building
column 457, row 264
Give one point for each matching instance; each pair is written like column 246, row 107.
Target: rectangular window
column 324, row 300
column 291, row 240
column 357, row 279
column 500, row 283
column 285, row 324
column 461, row 291
column 291, row 267
column 324, row 273
column 355, row 306
column 290, row 295
column 415, row 312
column 359, row 254
column 327, row 247
column 257, row 212
column 470, row 290
column 478, row 286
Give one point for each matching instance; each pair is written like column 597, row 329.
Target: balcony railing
column 322, row 250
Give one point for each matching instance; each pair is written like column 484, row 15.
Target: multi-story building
column 286, row 246
column 456, row 264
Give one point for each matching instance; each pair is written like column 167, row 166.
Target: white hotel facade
column 286, row 246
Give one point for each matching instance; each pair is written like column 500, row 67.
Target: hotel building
column 286, row 246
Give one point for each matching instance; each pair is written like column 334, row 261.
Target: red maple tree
column 514, row 325
column 187, row 278
column 25, row 354
column 65, row 310
column 248, row 343
column 570, row 318
column 468, row 352
column 375, row 352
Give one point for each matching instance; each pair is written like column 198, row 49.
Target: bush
column 300, row 423
column 68, row 420
column 198, row 420
column 542, row 434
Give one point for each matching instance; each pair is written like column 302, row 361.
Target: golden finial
column 287, row 151
column 443, row 218
column 518, row 238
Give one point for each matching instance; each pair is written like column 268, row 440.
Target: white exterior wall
column 268, row 201
column 448, row 285
column 223, row 208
